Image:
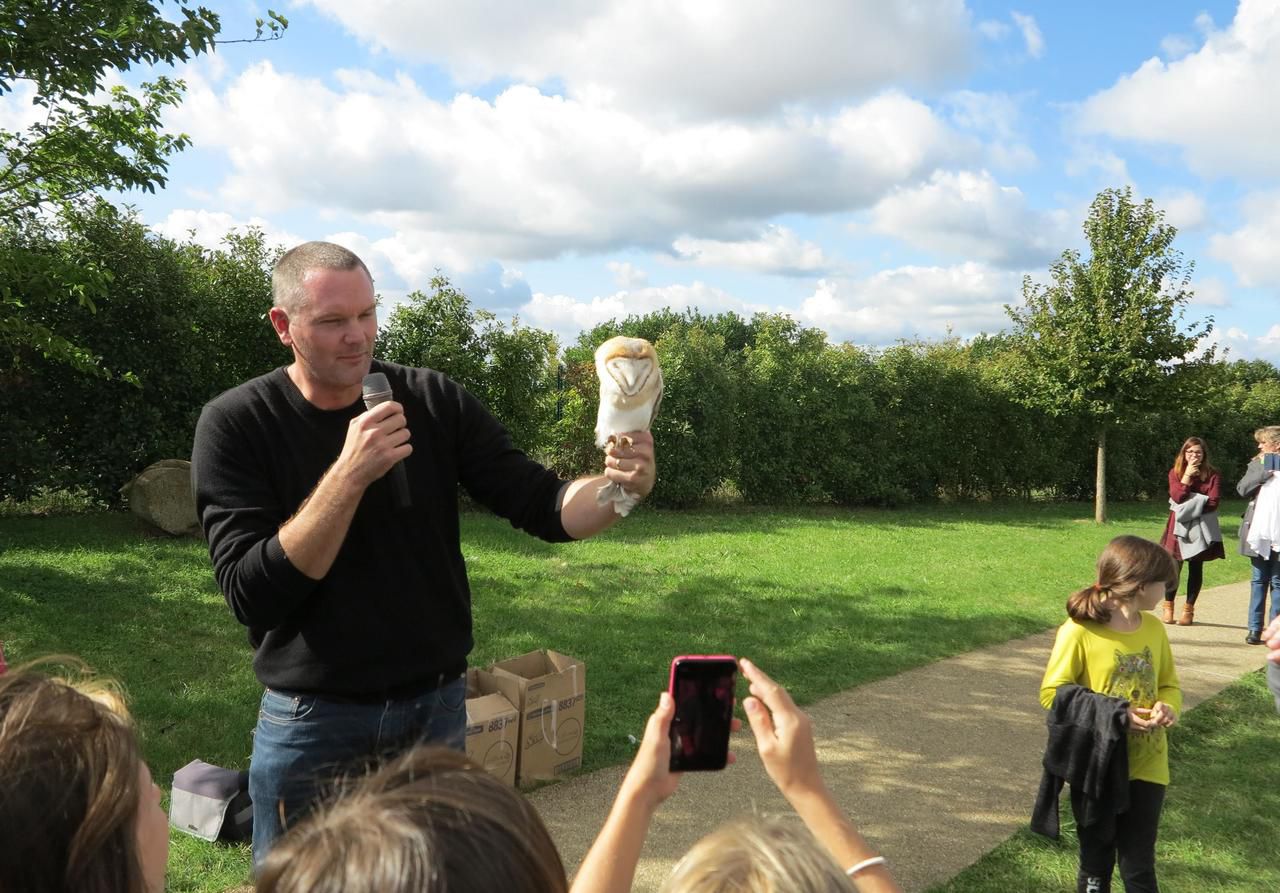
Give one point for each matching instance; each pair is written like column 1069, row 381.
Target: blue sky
column 878, row 170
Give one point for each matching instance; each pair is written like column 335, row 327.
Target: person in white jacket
column 1260, row 531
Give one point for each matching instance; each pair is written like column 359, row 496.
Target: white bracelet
column 865, row 863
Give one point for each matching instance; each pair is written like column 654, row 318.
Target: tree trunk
column 1100, row 484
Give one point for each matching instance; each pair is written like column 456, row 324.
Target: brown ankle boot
column 1188, row 614
column 1167, row 617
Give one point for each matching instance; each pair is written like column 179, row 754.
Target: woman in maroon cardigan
column 1191, row 474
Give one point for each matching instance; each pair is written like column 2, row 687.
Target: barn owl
column 630, row 392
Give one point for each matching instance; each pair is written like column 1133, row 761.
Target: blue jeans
column 1264, row 570
column 302, row 742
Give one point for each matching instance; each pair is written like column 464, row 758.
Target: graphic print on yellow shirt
column 1134, row 680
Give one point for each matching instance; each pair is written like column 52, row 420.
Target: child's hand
column 1272, row 637
column 1163, row 715
column 1140, row 719
column 650, row 778
column 784, row 734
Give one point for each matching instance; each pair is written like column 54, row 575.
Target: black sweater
column 1087, row 749
column 394, row 611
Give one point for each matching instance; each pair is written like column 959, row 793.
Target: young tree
column 1106, row 336
column 510, row 369
column 84, row 138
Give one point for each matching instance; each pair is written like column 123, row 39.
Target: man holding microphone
column 352, row 585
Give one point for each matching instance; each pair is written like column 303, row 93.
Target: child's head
column 430, row 821
column 1125, row 567
column 76, row 799
column 1268, row 437
column 755, row 856
column 1192, row 444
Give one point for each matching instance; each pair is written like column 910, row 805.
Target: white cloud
column 1086, row 158
column 777, row 250
column 1031, row 35
column 1210, row 292
column 908, row 302
column 992, row 29
column 970, row 215
column 209, row 228
column 994, row 117
column 627, row 275
column 18, row 111
column 532, row 176
column 1242, row 345
column 1183, row 208
column 1215, row 103
column 568, row 316
column 713, row 57
column 1175, row 46
column 1251, row 249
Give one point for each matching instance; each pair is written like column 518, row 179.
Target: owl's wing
column 657, row 401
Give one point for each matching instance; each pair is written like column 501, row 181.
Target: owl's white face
column 630, row 373
column 627, row 366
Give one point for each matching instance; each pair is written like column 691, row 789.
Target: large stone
column 161, row 495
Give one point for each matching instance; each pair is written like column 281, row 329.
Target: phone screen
column 703, row 691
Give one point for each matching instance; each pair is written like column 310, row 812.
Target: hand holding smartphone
column 702, row 688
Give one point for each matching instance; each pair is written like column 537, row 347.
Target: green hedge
column 764, row 407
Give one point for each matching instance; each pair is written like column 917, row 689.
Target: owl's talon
column 625, row 442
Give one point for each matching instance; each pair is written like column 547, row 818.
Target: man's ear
column 280, row 322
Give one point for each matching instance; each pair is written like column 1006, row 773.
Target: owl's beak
column 630, row 373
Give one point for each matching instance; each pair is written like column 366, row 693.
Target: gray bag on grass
column 211, row 803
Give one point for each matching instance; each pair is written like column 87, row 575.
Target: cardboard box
column 550, row 690
column 493, row 726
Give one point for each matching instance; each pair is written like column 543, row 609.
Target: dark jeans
column 302, row 742
column 1131, row 836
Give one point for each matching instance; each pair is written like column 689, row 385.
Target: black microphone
column 376, row 390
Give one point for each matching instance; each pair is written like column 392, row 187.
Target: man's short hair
column 294, row 265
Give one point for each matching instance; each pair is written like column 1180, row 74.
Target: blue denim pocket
column 281, row 707
column 452, row 696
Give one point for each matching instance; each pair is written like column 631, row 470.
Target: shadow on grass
column 1144, row 518
column 1216, row 829
column 147, row 614
column 818, row 640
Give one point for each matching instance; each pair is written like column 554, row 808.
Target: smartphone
column 702, row 687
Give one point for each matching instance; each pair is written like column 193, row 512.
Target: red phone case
column 699, row 759
column 671, row 679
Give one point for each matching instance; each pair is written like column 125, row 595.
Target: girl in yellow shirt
column 1111, row 646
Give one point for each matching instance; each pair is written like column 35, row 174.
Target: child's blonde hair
column 1127, row 564
column 758, row 856
column 70, row 762
column 1267, row 434
column 430, row 821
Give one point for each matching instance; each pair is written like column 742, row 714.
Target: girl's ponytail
column 1127, row 564
column 1089, row 603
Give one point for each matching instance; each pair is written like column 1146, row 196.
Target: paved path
column 937, row 765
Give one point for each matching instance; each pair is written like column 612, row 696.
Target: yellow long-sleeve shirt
column 1137, row 667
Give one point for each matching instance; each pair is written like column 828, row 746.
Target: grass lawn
column 1217, row 829
column 821, row 598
